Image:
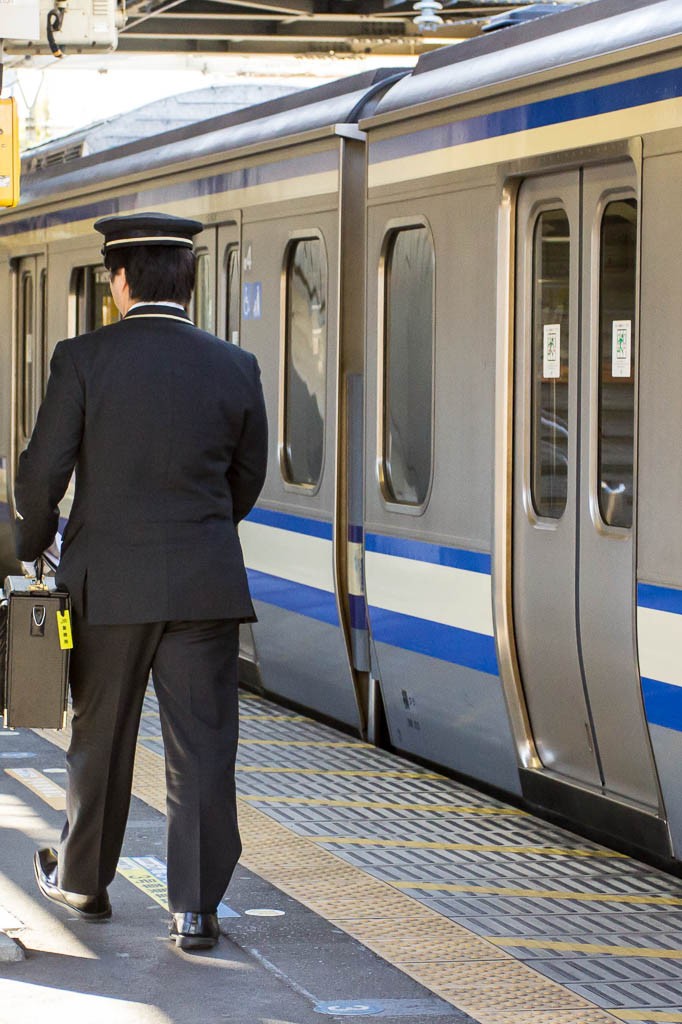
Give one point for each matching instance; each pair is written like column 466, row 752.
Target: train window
column 203, row 293
column 549, row 414
column 233, row 306
column 408, row 365
column 305, row 361
column 27, row 343
column 93, row 302
column 617, row 292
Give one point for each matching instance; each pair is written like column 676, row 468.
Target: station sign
column 10, row 163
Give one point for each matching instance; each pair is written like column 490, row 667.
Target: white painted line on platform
column 39, row 784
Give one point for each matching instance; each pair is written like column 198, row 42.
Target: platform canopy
column 388, row 27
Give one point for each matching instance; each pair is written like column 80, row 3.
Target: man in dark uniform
column 165, row 426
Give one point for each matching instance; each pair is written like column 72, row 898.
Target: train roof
column 151, row 119
column 503, row 58
column 306, row 111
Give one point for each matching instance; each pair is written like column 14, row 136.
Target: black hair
column 155, row 273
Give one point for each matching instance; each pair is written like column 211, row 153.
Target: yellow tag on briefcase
column 64, row 629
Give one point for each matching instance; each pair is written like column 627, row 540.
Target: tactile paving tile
column 612, row 997
column 620, row 972
column 497, row 832
column 342, row 758
column 577, row 887
column 327, row 809
column 471, row 865
column 655, row 928
column 482, row 905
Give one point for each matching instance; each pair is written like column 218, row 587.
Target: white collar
column 175, row 305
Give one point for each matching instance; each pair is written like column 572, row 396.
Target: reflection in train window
column 26, row 353
column 549, row 412
column 203, row 293
column 408, row 365
column 92, row 303
column 233, row 305
column 617, row 280
column 305, row 361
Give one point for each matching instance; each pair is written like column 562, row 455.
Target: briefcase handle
column 38, row 585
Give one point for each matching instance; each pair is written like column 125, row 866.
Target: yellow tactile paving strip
column 554, row 894
column 470, row 972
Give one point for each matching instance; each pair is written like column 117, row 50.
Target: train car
column 523, row 564
column 460, row 285
column 280, row 189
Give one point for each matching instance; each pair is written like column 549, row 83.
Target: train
column 460, row 282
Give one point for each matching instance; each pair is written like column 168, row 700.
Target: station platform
column 369, row 888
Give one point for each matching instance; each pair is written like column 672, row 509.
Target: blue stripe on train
column 458, row 646
column 295, row 524
column 422, row 551
column 663, row 703
column 245, row 177
column 294, row 597
column 448, row 643
column 662, row 599
column 663, row 85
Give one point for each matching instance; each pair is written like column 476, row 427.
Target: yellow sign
column 10, row 164
column 64, row 629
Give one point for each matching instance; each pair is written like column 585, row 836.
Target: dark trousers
column 194, row 669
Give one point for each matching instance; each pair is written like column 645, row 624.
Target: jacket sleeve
column 246, row 474
column 45, row 467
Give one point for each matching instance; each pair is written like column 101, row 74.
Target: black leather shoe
column 92, row 908
column 194, row 931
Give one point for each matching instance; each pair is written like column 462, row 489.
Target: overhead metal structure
column 309, row 27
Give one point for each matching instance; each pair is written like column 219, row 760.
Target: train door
column 30, row 355
column 575, row 492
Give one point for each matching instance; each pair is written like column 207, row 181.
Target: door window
column 408, row 365
column 617, row 297
column 549, row 412
column 305, row 386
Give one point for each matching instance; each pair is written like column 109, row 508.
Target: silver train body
column 463, row 288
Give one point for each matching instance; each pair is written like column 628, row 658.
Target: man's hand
column 48, row 561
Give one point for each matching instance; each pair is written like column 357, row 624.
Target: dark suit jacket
column 166, row 428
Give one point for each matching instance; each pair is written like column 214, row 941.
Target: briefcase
column 36, row 660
